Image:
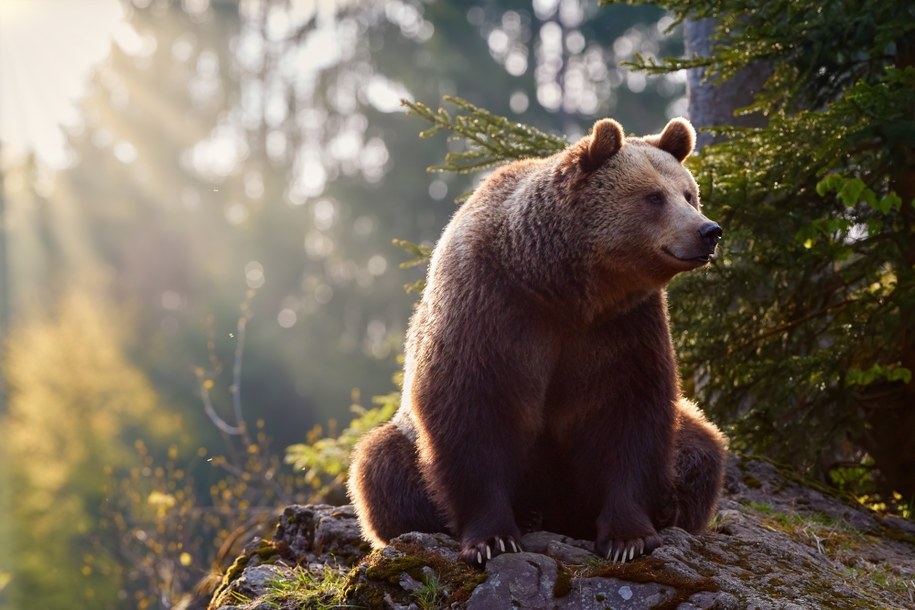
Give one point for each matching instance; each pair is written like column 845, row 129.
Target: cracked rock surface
column 774, row 543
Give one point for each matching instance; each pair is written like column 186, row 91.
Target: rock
column 775, row 542
column 257, row 580
column 562, row 548
column 315, row 532
column 516, row 580
column 310, row 542
column 600, row 593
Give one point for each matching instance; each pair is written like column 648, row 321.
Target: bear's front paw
column 623, row 549
column 479, row 552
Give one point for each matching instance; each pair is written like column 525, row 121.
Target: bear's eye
column 655, row 198
column 689, row 197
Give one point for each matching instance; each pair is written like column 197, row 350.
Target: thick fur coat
column 541, row 386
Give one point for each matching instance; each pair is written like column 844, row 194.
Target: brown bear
column 541, row 387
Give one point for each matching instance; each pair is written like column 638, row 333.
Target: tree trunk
column 712, row 104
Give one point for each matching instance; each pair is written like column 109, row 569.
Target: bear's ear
column 606, row 140
column 678, row 138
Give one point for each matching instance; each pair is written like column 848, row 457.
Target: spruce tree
column 801, row 335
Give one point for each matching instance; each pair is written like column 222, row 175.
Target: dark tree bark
column 712, row 104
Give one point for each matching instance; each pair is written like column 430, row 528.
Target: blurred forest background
column 242, row 161
column 200, row 292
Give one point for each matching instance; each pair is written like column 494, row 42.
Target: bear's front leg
column 479, row 540
column 476, row 433
column 473, row 471
column 618, row 402
column 637, row 469
column 624, row 533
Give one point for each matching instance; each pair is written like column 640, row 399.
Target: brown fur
column 540, row 378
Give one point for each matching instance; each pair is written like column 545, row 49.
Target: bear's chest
column 620, row 370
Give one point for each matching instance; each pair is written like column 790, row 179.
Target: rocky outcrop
column 775, row 543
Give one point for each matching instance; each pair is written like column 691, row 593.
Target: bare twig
column 236, row 367
column 214, row 417
column 239, row 429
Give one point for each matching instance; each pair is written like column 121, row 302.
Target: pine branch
column 420, row 252
column 489, row 139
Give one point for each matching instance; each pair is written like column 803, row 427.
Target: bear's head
column 640, row 203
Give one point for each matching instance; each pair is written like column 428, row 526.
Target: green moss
column 463, row 593
column 390, row 570
column 455, row 580
column 365, row 596
column 751, row 481
column 830, row 535
column 563, row 584
column 266, row 552
column 761, row 507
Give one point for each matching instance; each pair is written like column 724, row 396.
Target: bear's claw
column 622, row 551
column 481, row 552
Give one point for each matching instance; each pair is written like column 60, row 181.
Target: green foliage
column 421, row 255
column 801, row 333
column 815, row 49
column 488, row 139
column 429, row 595
column 179, row 520
column 76, row 406
column 325, row 458
column 173, row 225
column 169, row 523
column 322, row 589
column 420, row 252
column 877, row 373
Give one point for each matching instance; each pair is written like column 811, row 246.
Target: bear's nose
column 710, row 233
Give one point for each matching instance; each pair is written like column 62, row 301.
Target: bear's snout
column 694, row 248
column 710, row 233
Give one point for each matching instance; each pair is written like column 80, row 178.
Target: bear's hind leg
column 387, row 489
column 699, row 469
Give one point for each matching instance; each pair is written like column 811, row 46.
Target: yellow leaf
column 161, row 500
